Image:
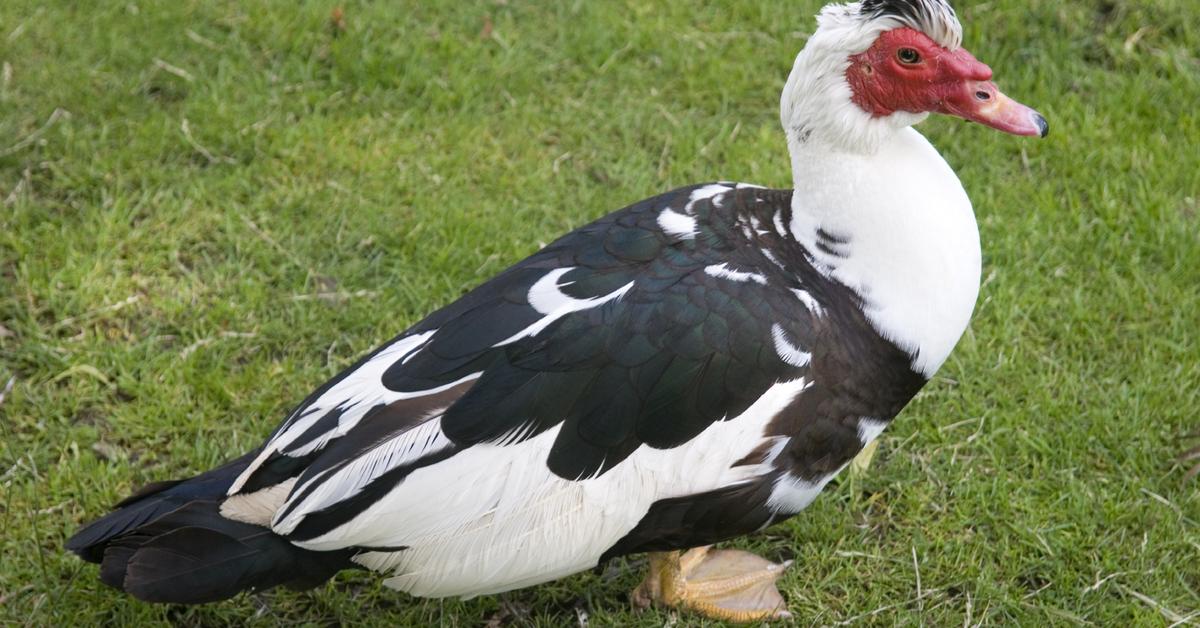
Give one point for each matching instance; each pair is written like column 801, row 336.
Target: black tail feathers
column 170, row 543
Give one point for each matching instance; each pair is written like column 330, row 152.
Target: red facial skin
column 887, row 78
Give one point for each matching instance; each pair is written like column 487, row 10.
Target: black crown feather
column 935, row 18
column 910, row 10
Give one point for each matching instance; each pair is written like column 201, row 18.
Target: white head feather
column 815, row 106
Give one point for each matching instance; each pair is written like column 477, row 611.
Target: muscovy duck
column 694, row 367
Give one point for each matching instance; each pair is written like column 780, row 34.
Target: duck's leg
column 730, row 585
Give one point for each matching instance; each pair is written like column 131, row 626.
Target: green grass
column 156, row 284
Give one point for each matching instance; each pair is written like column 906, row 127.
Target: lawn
column 208, row 208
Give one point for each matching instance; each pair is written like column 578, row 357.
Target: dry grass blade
column 204, row 342
column 55, row 116
column 130, row 300
column 1156, row 605
column 7, row 389
column 1190, row 455
column 336, row 296
column 212, row 158
column 201, row 39
column 858, row 618
column 174, row 69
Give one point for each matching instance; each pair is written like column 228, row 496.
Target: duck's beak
column 983, row 102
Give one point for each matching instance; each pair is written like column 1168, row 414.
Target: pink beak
column 979, row 100
column 983, row 102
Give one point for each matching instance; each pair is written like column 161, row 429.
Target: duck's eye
column 908, row 56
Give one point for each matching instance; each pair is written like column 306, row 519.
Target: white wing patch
column 708, row 191
column 724, row 272
column 355, row 394
column 787, row 351
column 676, row 224
column 809, row 302
column 548, row 299
column 347, row 481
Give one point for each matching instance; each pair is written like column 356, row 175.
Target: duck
column 693, row 368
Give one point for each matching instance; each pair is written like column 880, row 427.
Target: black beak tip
column 1042, row 125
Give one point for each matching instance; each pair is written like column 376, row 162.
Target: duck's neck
column 875, row 205
column 894, row 224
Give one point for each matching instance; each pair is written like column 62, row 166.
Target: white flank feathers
column 493, row 518
column 869, row 429
column 792, row 494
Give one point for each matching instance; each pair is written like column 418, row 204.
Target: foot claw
column 731, row 585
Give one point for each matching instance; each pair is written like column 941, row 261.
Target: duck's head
column 878, row 65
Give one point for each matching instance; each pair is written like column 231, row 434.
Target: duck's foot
column 729, row 585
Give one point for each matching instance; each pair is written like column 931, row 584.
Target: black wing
column 642, row 328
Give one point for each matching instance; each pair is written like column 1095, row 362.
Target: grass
column 234, row 200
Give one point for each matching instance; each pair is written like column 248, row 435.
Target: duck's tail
column 169, row 543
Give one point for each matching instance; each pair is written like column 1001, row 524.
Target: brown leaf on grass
column 488, row 27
